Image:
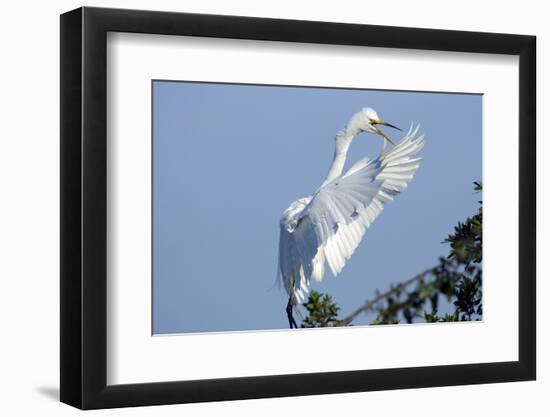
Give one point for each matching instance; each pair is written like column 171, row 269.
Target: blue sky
column 228, row 159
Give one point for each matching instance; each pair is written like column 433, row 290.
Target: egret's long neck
column 342, row 143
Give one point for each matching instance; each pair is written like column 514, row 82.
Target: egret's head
column 367, row 120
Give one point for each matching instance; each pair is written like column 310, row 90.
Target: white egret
column 326, row 227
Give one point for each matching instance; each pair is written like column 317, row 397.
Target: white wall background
column 29, row 211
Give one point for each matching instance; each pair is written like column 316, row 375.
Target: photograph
column 281, row 208
column 294, row 207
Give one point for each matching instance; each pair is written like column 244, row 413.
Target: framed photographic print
column 258, row 207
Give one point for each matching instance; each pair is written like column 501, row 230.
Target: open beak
column 383, row 123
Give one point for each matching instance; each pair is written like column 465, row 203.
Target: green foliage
column 466, row 241
column 456, row 279
column 322, row 311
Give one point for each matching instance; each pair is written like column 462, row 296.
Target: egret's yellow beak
column 383, row 123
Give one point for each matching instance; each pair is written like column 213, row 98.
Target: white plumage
column 327, row 227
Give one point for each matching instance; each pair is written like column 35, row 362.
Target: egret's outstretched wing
column 329, row 226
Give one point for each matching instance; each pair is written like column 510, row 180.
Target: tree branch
column 370, row 304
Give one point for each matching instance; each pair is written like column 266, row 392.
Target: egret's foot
column 291, row 321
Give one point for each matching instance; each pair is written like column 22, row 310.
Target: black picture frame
column 84, row 197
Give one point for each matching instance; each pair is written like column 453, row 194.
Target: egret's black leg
column 291, row 321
